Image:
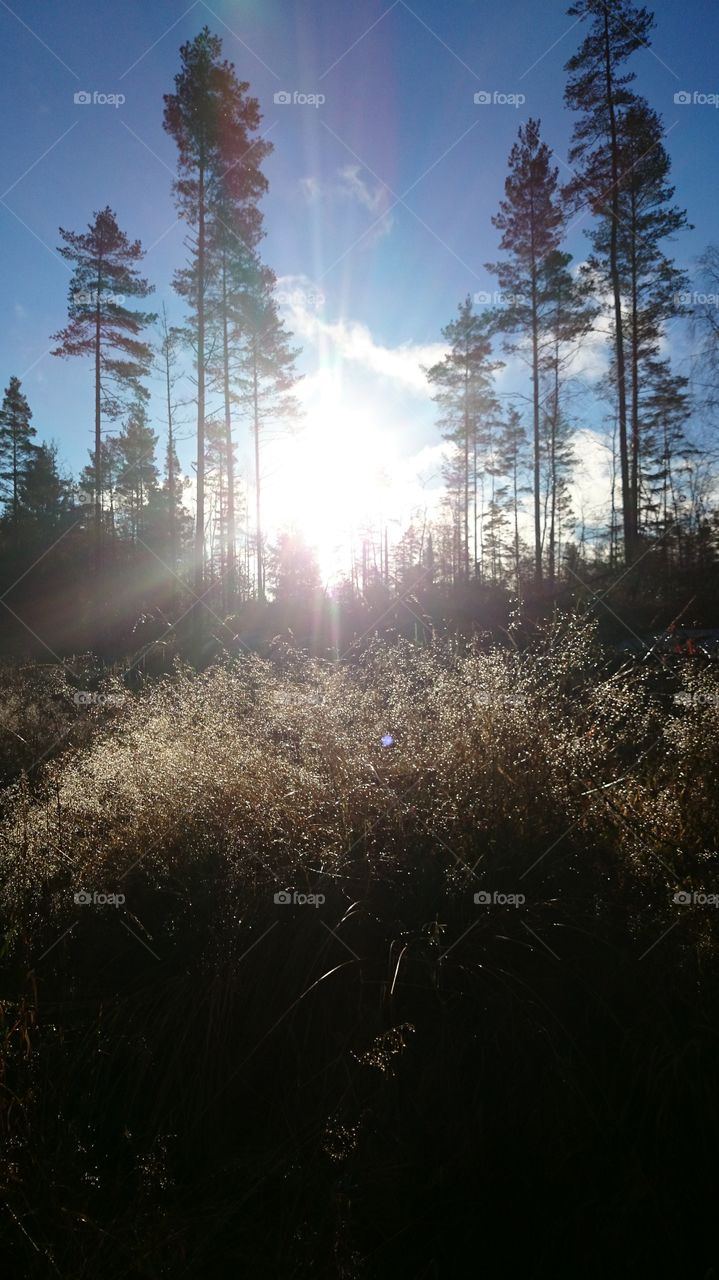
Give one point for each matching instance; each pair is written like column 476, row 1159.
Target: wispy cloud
column 353, row 342
column 310, row 189
column 374, row 199
column 350, row 187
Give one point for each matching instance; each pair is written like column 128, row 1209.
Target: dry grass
column 209, row 1081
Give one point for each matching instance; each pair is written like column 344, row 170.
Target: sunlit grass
column 202, row 1076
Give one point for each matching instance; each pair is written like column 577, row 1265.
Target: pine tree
column 216, row 490
column 531, row 220
column 491, row 459
column 137, row 471
column 293, row 570
column 174, row 484
column 16, row 448
column 514, row 450
column 666, row 454
column 44, row 497
column 651, row 284
column 705, row 325
column 569, row 317
column 237, row 274
column 88, row 482
column 463, row 391
column 264, row 378
column 174, row 519
column 101, row 324
column 598, row 87
column 213, row 122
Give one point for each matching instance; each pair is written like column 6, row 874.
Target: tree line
column 121, row 531
column 661, row 485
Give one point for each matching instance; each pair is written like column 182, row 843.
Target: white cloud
column 376, row 200
column 591, row 479
column 309, row 189
column 354, row 185
column 353, row 342
column 350, row 186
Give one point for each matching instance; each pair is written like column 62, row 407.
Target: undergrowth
column 392, row 1079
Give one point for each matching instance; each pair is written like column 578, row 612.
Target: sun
column 331, row 481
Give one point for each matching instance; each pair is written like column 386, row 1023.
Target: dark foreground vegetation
column 397, row 1080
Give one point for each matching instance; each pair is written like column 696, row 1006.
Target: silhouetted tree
column 264, row 378
column 213, row 121
column 531, row 220
column 651, row 285
column 293, row 569
column 104, row 281
column 137, row 470
column 16, row 444
column 598, row 87
column 463, row 389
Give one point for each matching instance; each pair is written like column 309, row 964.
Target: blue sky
column 379, row 201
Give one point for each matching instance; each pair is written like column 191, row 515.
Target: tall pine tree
column 598, row 88
column 213, row 123
column 103, row 325
column 16, row 447
column 531, row 220
column 264, row 377
column 463, row 390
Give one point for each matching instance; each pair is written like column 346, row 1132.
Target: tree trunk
column 466, row 467
column 516, row 519
column 231, row 549
column 553, row 462
column 535, row 414
column 98, row 434
column 171, row 478
column 474, row 500
column 258, row 503
column 634, row 466
column 200, row 524
column 629, row 531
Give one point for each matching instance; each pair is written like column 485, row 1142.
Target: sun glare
column 332, row 481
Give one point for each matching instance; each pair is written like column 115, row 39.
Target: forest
column 132, row 543
column 358, row 893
